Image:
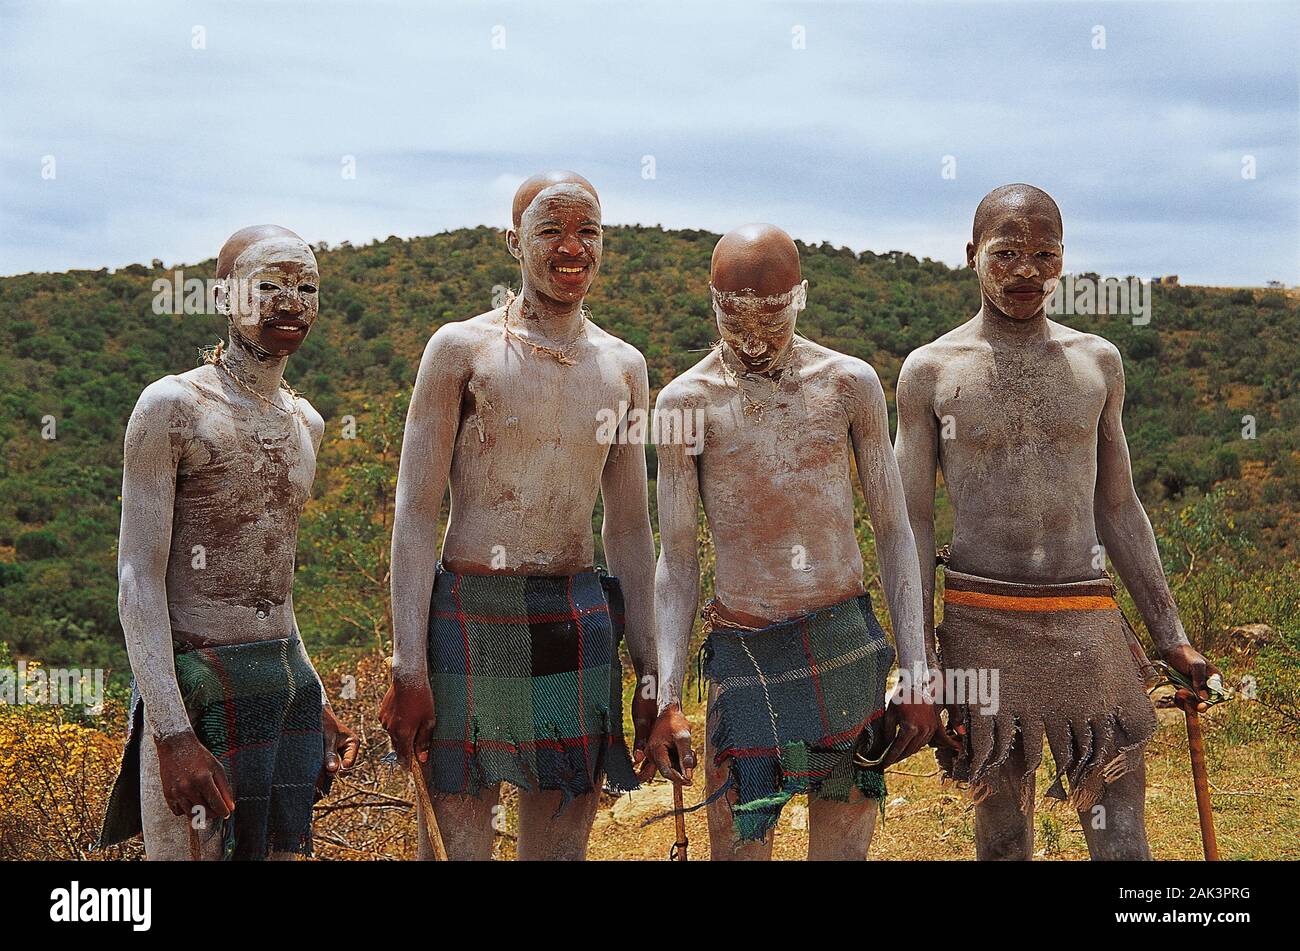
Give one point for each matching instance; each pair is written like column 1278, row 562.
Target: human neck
column 998, row 328
column 553, row 319
column 261, row 373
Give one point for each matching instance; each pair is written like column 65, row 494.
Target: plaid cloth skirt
column 527, row 683
column 257, row 709
column 791, row 703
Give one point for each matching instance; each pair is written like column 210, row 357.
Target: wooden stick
column 425, row 805
column 680, row 847
column 196, row 849
column 1201, row 780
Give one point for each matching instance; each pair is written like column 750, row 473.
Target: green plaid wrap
column 257, row 709
column 527, row 683
column 791, row 701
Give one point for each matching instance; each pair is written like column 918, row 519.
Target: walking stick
column 431, row 830
column 1196, row 748
column 680, row 847
column 1201, row 780
column 1152, row 677
column 423, row 806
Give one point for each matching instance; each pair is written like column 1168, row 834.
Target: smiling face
column 273, row 294
column 1016, row 250
column 558, row 242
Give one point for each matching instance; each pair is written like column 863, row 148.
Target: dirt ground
column 1256, row 794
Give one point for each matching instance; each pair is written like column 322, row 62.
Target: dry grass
column 1256, row 794
column 55, row 776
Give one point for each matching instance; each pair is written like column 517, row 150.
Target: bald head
column 757, row 292
column 538, row 183
column 1012, row 202
column 758, row 258
column 241, row 240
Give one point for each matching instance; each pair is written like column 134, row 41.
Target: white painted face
column 1019, row 262
column 559, row 242
column 273, row 290
column 758, row 328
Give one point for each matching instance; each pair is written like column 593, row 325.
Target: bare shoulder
column 471, row 332
column 628, row 357
column 164, row 414
column 839, row 365
column 924, row 364
column 452, row 347
column 1097, row 350
column 315, row 422
column 921, row 364
column 852, row 376
column 171, row 395
column 692, row 388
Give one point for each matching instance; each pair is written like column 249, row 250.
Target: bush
column 33, row 546
column 55, row 778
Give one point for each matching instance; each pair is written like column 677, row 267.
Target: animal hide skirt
column 1057, row 659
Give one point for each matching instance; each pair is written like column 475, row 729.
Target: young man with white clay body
column 1024, row 415
column 505, row 663
column 795, row 658
column 232, row 737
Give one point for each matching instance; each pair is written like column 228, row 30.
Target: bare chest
column 769, row 434
column 259, row 463
column 1019, row 402
column 517, row 400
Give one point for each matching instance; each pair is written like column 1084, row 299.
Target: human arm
column 677, row 588
column 913, row 718
column 1127, row 536
column 630, row 551
column 432, row 420
column 155, row 439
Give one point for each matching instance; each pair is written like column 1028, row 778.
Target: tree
column 345, row 534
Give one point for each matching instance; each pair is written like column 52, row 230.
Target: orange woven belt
column 1005, row 602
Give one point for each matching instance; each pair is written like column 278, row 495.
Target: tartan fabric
column 790, row 703
column 257, row 709
column 527, row 683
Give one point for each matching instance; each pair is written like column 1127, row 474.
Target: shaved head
column 238, row 242
column 1014, row 201
column 530, row 189
column 1017, row 251
column 270, row 295
column 759, row 258
column 757, row 292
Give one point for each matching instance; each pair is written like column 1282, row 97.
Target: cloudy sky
column 160, row 149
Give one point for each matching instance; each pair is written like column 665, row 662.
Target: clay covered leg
column 547, row 837
column 466, row 826
column 841, row 831
column 1002, row 831
column 723, row 846
column 1116, row 827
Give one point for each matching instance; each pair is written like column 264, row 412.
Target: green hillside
column 79, row 347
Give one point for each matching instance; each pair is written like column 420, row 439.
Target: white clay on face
column 559, row 229
column 269, row 254
column 747, row 301
column 563, row 195
column 573, row 192
column 996, row 276
column 749, row 322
